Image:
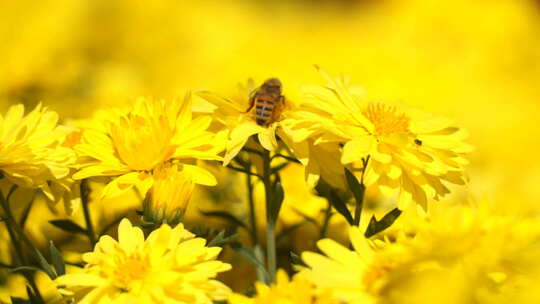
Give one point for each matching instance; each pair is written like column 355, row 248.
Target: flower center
column 130, row 272
column 386, row 119
column 143, row 143
column 373, row 279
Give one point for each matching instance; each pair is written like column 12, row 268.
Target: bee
column 268, row 102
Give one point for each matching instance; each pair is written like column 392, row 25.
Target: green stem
column 270, row 224
column 358, row 212
column 246, row 149
column 14, row 228
column 291, row 159
column 252, row 215
column 20, row 258
column 85, row 200
column 360, row 202
column 271, row 251
column 13, row 224
column 243, row 171
column 326, row 222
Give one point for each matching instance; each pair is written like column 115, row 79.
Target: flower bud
column 167, row 200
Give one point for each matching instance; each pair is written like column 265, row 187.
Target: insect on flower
column 268, row 102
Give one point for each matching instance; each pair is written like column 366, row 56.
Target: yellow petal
column 299, row 149
column 80, row 279
column 200, row 176
column 130, row 238
column 185, row 114
column 267, row 138
column 238, row 138
column 123, row 183
column 337, row 252
column 100, row 170
column 356, row 149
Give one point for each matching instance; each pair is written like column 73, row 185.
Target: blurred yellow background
column 476, row 62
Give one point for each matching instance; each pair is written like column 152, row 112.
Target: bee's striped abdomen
column 264, row 106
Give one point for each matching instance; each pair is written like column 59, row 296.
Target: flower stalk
column 251, row 202
column 359, row 190
column 270, row 221
column 16, row 233
column 85, row 200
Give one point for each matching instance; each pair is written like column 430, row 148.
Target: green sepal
column 386, row 221
column 358, row 191
column 335, row 200
column 68, row 226
column 57, row 259
column 278, row 196
column 221, row 239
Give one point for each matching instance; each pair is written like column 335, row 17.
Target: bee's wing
column 221, row 102
column 253, row 93
column 251, row 100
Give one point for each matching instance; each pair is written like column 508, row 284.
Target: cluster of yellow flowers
column 302, row 189
column 468, row 254
column 156, row 147
column 35, row 152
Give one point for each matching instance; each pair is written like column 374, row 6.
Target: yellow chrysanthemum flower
column 242, row 125
column 170, row 266
column 167, row 200
column 284, row 291
column 31, row 151
column 409, row 151
column 350, row 276
column 375, row 271
column 487, row 255
column 457, row 255
column 129, row 146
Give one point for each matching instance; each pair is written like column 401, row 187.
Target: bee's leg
column 251, row 102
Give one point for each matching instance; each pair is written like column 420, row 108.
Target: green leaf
column 358, row 191
column 387, row 220
column 296, row 259
column 57, row 260
column 356, row 188
column 226, row 216
column 278, row 196
column 249, row 255
column 45, row 265
column 332, row 196
column 26, row 269
column 68, row 226
column 3, row 265
column 15, row 300
column 221, row 239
